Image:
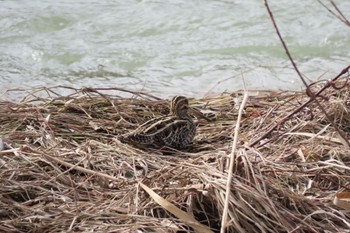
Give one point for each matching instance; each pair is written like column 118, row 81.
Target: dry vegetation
column 63, row 170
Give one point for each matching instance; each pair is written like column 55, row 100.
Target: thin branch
column 341, row 16
column 328, row 84
column 284, row 44
column 308, row 90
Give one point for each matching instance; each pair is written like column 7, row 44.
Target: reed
column 62, row 168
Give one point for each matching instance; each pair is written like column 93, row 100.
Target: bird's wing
column 171, row 127
column 155, row 125
column 146, row 124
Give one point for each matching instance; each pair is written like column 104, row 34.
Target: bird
column 176, row 130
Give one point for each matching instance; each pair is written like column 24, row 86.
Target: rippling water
column 168, row 47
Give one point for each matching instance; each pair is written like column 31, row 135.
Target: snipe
column 176, row 130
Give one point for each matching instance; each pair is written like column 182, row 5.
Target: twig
column 137, row 93
column 284, row 44
column 75, row 167
column 308, row 90
column 206, row 94
column 328, row 84
column 232, row 162
column 342, row 17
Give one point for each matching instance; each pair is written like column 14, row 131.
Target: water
column 168, row 47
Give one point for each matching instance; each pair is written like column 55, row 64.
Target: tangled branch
column 313, row 96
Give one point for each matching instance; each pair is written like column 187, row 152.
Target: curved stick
column 345, row 70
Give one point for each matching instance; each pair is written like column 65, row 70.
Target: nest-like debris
column 62, row 168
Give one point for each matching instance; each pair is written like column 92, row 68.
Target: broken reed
column 62, row 168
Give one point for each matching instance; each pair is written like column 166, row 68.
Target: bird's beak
column 198, row 113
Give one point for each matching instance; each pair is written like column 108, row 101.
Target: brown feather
column 176, row 131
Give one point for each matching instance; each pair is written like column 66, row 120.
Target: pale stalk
column 232, row 161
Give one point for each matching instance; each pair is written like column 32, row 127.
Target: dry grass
column 63, row 170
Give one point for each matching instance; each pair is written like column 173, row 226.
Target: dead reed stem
column 232, row 163
column 62, row 168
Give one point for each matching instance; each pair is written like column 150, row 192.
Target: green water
column 168, row 47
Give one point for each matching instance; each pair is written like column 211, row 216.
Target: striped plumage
column 176, row 130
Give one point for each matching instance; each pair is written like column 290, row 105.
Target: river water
column 168, row 47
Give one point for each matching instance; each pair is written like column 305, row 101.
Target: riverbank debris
column 64, row 170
